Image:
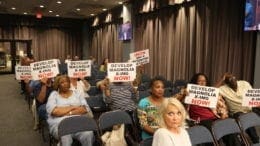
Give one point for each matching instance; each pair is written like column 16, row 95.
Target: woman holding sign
column 205, row 116
column 148, row 108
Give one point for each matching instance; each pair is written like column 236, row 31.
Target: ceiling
column 66, row 9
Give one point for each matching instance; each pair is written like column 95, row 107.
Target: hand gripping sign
column 202, row 96
column 78, row 69
column 121, row 72
column 44, row 69
column 251, row 98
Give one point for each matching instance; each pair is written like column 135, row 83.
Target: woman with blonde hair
column 172, row 122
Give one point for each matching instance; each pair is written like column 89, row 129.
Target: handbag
column 116, row 137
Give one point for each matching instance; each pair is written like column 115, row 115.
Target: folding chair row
column 106, row 121
column 236, row 130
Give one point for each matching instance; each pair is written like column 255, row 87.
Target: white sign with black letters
column 202, row 95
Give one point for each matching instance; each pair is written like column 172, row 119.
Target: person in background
column 68, row 59
column 139, row 73
column 232, row 90
column 25, row 61
column 41, row 90
column 148, row 108
column 76, row 58
column 81, row 85
column 172, row 122
column 120, row 95
column 64, row 103
column 103, row 66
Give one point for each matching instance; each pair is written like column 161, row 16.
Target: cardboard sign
column 251, row 98
column 140, row 57
column 202, row 96
column 23, row 72
column 78, row 69
column 44, row 69
column 121, row 72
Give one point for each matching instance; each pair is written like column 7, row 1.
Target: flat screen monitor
column 252, row 15
column 125, row 31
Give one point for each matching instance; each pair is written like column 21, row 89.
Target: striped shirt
column 122, row 96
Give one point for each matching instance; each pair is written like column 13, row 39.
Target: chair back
column 200, row 135
column 108, row 119
column 248, row 120
column 221, row 128
column 76, row 124
column 97, row 104
column 147, row 142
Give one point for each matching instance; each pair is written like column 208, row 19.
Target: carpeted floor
column 16, row 122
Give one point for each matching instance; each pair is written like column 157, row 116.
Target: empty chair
column 248, row 120
column 143, row 94
column 145, row 78
column 96, row 103
column 94, row 91
column 168, row 84
column 147, row 142
column 178, row 85
column 200, row 135
column 221, row 128
column 167, row 92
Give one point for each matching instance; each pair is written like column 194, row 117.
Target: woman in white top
column 81, row 85
column 172, row 120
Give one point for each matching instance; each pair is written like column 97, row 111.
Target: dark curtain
column 51, row 37
column 197, row 36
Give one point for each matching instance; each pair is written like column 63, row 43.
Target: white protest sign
column 202, row 96
column 251, row 98
column 78, row 69
column 44, row 69
column 140, row 57
column 121, row 72
column 23, row 72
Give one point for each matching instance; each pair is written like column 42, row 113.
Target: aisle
column 16, row 122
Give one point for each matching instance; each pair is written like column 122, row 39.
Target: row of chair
column 220, row 128
column 83, row 123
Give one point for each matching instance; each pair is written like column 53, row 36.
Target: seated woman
column 81, row 85
column 206, row 115
column 121, row 95
column 63, row 103
column 148, row 108
column 172, row 120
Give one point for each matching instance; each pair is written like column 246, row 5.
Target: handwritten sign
column 140, row 57
column 23, row 72
column 78, row 69
column 44, row 69
column 121, row 72
column 251, row 98
column 202, row 96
